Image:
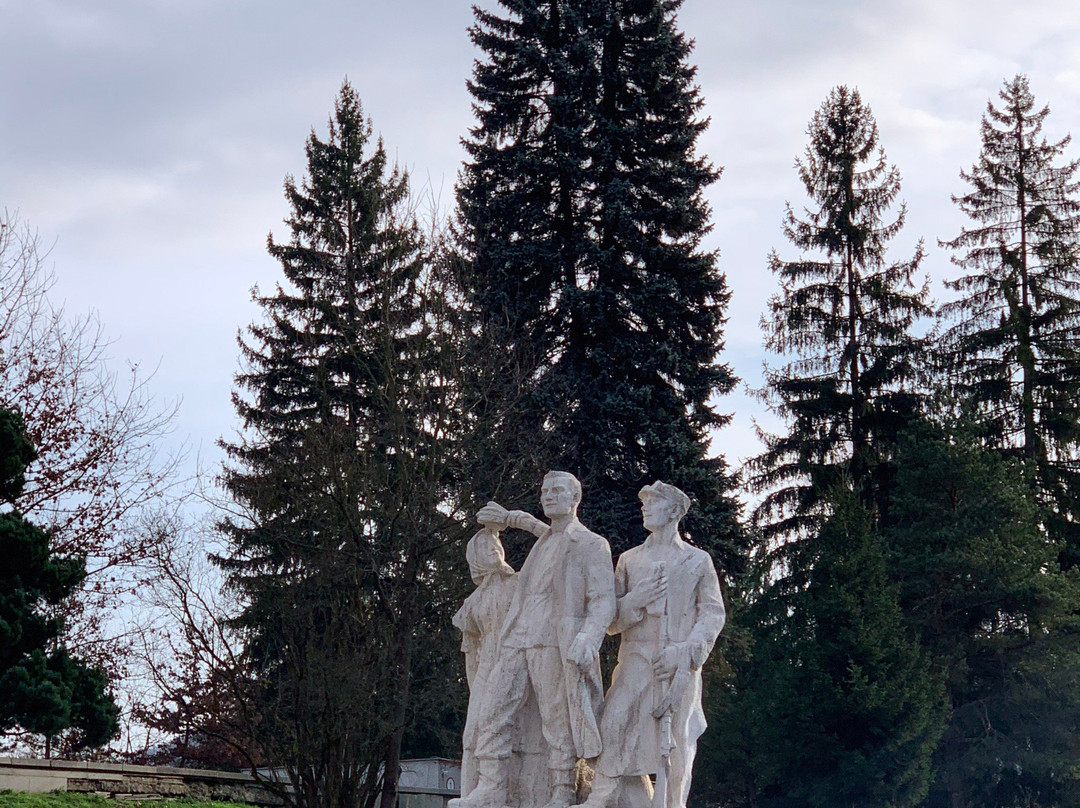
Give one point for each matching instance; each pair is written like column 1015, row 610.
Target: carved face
column 656, row 511
column 486, row 556
column 558, row 496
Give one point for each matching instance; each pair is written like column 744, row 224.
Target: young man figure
column 670, row 613
column 549, row 646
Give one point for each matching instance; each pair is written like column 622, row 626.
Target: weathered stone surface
column 87, row 784
column 232, row 792
column 670, row 613
column 534, row 710
column 531, row 641
column 124, row 781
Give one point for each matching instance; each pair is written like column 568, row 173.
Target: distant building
column 423, row 783
column 428, row 782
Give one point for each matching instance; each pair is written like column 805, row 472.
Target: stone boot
column 563, row 793
column 490, row 791
column 603, row 793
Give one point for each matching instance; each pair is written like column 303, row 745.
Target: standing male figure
column 670, row 613
column 564, row 603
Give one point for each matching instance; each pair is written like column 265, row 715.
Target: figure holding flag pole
column 669, row 615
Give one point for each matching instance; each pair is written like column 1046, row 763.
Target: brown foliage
column 99, row 437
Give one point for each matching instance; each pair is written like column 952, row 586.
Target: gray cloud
column 150, row 138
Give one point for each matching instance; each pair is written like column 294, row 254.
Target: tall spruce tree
column 341, row 478
column 581, row 210
column 842, row 705
column 846, row 320
column 1011, row 344
column 981, row 588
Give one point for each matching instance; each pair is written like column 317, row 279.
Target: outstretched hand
column 493, row 516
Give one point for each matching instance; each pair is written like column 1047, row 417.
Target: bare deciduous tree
column 100, row 436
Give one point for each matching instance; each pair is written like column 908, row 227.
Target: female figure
column 480, row 621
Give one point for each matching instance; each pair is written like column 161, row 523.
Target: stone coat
column 696, row 615
column 583, row 601
column 480, row 621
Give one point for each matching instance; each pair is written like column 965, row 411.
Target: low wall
column 124, row 780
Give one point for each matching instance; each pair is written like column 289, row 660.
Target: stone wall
column 124, row 780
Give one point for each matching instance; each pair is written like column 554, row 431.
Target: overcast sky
column 149, row 140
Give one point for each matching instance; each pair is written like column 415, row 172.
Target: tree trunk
column 403, row 641
column 1022, row 319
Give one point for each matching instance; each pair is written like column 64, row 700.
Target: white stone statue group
column 532, row 641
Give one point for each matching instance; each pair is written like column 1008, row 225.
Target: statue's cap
column 670, row 493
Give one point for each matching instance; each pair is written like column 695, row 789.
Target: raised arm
column 496, row 517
